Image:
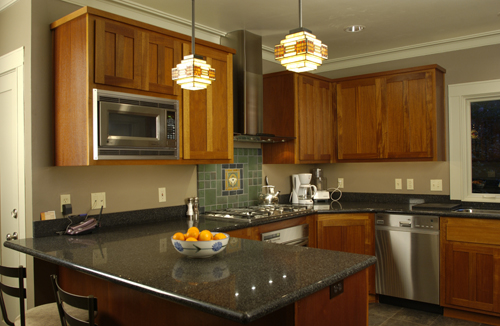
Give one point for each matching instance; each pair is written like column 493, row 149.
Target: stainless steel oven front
column 293, row 236
column 129, row 126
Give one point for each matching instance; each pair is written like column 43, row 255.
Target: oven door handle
column 298, row 242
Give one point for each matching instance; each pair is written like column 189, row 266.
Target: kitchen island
column 139, row 279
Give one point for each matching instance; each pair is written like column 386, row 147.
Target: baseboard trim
column 471, row 316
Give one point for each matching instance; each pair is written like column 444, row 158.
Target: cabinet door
column 359, row 119
column 352, row 233
column 315, row 120
column 119, row 50
column 472, row 276
column 409, row 116
column 208, row 114
column 163, row 54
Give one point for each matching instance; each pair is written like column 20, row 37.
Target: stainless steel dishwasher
column 407, row 250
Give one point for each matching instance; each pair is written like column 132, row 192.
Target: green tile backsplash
column 238, row 184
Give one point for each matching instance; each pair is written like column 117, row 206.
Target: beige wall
column 127, row 187
column 461, row 66
column 136, row 187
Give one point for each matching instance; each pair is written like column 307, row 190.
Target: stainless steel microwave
column 134, row 127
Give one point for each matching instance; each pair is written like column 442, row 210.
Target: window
column 474, row 120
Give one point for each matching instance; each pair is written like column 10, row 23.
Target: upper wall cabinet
column 298, row 105
column 392, row 116
column 96, row 49
column 126, row 56
column 208, row 114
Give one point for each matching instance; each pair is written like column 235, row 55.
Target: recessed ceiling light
column 354, row 28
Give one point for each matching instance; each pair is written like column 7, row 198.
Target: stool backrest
column 86, row 303
column 18, row 292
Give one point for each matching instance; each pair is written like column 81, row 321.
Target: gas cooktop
column 248, row 214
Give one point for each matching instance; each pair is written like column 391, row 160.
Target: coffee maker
column 302, row 190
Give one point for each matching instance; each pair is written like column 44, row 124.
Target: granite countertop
column 400, row 208
column 246, row 281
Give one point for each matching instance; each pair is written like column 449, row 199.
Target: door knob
column 12, row 237
column 14, row 213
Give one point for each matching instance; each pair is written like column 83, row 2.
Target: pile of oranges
column 194, row 234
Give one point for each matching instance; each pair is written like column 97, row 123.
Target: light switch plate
column 161, row 195
column 409, row 184
column 399, row 184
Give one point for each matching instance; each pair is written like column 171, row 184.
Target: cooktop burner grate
column 257, row 212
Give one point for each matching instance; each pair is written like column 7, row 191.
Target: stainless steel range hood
column 248, row 88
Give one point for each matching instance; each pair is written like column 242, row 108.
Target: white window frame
column 459, row 98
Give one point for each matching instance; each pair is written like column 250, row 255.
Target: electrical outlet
column 409, row 184
column 436, row 185
column 98, row 199
column 65, row 199
column 340, row 182
column 161, row 195
column 399, row 184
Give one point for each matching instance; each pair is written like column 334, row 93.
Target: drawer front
column 471, row 230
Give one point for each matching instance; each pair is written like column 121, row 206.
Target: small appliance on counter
column 268, row 196
column 322, row 193
column 303, row 191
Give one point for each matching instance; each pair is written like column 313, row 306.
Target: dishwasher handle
column 405, row 224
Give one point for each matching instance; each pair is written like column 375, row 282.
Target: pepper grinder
column 190, row 212
column 196, row 211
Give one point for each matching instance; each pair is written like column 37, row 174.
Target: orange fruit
column 205, row 235
column 191, row 239
column 179, row 236
column 193, row 232
column 219, row 236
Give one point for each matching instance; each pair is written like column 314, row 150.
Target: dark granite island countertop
column 247, row 281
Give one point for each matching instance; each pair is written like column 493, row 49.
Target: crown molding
column 415, row 50
column 150, row 15
column 411, row 51
column 5, row 3
column 133, row 10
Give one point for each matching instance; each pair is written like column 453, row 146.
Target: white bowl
column 201, row 249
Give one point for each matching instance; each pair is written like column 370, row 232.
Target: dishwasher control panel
column 426, row 222
column 408, row 221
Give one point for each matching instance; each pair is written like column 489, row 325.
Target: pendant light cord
column 300, row 13
column 192, row 31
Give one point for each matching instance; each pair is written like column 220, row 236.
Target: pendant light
column 300, row 50
column 193, row 72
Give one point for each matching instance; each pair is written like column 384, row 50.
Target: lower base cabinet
column 352, row 233
column 470, row 266
column 120, row 305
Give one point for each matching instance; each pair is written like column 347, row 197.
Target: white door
column 12, row 200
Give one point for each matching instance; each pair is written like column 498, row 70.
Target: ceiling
column 389, row 23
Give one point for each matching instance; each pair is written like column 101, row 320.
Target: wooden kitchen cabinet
column 130, row 57
column 359, row 117
column 97, row 49
column 392, row 116
column 208, row 114
column 302, row 103
column 470, row 267
column 354, row 233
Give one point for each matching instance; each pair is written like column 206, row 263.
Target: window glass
column 485, row 146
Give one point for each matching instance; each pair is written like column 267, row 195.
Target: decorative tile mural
column 223, row 186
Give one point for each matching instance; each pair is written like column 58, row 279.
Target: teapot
column 268, row 196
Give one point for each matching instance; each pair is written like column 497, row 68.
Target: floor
column 387, row 315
